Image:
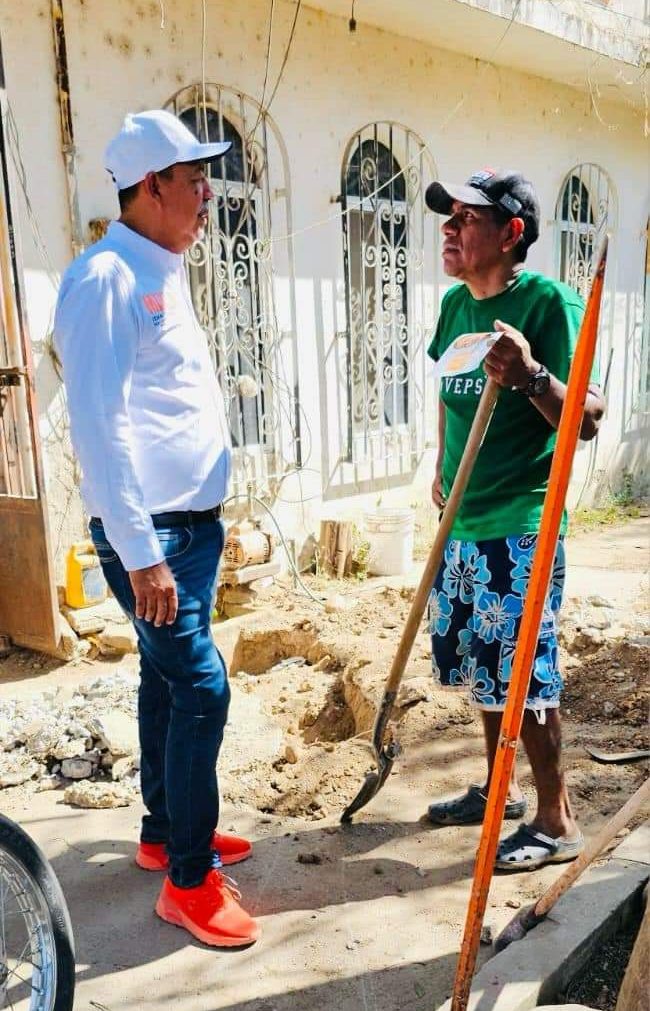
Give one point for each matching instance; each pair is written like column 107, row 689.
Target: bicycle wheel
column 37, row 971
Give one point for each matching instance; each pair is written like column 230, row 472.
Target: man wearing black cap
column 478, row 597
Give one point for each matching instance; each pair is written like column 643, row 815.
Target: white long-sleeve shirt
column 146, row 412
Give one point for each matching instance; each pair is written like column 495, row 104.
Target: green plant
column 360, row 553
column 625, row 495
column 589, row 518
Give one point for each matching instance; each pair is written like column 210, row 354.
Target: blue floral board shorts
column 475, row 612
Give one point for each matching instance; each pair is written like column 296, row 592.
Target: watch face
column 541, row 384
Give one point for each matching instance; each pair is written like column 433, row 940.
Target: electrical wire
column 32, row 218
column 204, row 34
column 292, row 565
column 286, row 56
column 340, row 214
column 267, row 64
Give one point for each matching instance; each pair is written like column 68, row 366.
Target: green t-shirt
column 506, row 490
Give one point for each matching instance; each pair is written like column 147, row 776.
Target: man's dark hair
column 128, row 195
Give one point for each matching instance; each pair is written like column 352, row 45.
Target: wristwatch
column 538, row 384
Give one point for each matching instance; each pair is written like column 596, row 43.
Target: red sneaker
column 231, row 849
column 210, row 912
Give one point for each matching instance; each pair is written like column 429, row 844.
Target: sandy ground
column 368, row 916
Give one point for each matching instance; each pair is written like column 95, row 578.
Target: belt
column 182, row 519
column 187, row 519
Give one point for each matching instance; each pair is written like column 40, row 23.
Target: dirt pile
column 612, row 685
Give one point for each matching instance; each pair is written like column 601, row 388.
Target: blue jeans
column 183, row 697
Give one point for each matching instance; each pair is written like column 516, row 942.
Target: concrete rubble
column 99, row 795
column 47, row 741
column 585, row 624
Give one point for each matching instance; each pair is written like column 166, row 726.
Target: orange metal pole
column 567, row 438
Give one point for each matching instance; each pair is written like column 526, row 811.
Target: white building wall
column 121, row 59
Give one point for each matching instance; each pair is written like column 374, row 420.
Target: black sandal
column 469, row 809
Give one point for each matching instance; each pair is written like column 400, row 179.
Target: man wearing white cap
column 149, row 428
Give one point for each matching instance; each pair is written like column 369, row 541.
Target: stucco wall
column 121, row 59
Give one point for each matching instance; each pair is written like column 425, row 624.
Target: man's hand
column 156, row 598
column 437, row 495
column 509, row 362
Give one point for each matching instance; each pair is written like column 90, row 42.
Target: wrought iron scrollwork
column 583, row 215
column 230, row 272
column 383, row 238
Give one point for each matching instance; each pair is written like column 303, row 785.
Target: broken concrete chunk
column 52, row 782
column 68, row 643
column 116, row 640
column 124, row 767
column 67, row 748
column 599, row 621
column 77, row 768
column 597, row 601
column 418, row 689
column 99, row 795
column 337, row 602
column 90, row 620
column 117, row 732
column 42, row 740
column 17, row 768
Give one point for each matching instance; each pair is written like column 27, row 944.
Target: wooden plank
column 27, row 591
column 335, row 548
column 248, row 574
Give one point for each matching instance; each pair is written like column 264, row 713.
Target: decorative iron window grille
column 232, row 281
column 585, row 211
column 384, row 174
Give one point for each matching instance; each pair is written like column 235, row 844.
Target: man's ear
column 151, row 185
column 515, row 231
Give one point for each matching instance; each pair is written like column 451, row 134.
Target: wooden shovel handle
column 477, row 432
column 591, row 850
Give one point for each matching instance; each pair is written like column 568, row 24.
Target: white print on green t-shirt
column 464, row 386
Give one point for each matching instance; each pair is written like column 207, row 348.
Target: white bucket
column 389, row 533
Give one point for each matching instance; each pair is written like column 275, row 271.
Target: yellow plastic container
column 84, row 579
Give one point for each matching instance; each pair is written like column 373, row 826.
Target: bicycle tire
column 22, row 848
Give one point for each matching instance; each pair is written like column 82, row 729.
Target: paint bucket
column 84, row 580
column 389, row 533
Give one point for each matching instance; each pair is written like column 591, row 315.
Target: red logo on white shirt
column 154, row 303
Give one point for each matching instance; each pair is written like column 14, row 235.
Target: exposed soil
column 613, row 683
column 598, row 985
column 305, row 687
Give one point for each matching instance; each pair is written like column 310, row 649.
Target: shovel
column 386, row 753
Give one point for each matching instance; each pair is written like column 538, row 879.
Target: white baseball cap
column 152, row 141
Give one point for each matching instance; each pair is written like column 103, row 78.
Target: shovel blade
column 373, row 781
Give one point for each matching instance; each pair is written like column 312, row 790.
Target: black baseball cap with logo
column 507, row 191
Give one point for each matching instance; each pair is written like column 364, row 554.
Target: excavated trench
column 297, row 743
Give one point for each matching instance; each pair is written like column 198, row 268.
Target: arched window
column 585, row 210
column 232, row 282
column 382, row 189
